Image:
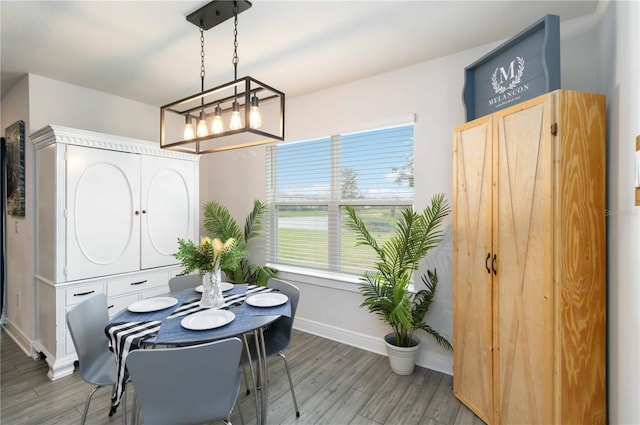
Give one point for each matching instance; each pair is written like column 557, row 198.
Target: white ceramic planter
column 402, row 359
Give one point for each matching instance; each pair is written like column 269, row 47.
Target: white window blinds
column 309, row 182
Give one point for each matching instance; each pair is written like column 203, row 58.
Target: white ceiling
column 147, row 51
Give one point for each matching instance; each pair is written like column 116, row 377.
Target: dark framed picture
column 14, row 137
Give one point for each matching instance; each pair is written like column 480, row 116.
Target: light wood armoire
column 530, row 262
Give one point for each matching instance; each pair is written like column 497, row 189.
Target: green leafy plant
column 208, row 256
column 219, row 223
column 385, row 289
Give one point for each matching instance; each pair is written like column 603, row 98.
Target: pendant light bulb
column 202, row 125
column 236, row 122
column 188, row 129
column 217, row 127
column 255, row 121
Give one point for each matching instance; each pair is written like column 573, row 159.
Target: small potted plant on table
column 207, row 258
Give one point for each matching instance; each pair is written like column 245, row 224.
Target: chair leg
column 86, row 404
column 293, row 394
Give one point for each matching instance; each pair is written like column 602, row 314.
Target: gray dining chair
column 278, row 336
column 97, row 364
column 180, row 283
column 186, row 385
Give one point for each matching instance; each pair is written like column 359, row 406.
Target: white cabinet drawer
column 162, row 290
column 77, row 294
column 117, row 304
column 137, row 283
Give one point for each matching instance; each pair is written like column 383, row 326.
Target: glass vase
column 211, row 290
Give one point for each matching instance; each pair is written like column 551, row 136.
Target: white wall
column 619, row 75
column 55, row 102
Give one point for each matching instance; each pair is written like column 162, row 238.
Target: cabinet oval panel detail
column 104, row 213
column 168, row 210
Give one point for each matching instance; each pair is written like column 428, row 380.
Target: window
column 309, row 182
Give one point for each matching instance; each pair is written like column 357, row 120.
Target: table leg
column 262, row 419
column 264, row 383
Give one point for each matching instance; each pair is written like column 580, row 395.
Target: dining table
column 176, row 319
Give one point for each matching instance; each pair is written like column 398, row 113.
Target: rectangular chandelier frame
column 173, row 117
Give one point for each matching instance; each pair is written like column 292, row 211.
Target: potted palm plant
column 386, row 287
column 219, row 223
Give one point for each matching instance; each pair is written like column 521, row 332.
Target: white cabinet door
column 168, row 208
column 103, row 213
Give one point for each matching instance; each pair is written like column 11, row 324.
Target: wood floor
column 335, row 384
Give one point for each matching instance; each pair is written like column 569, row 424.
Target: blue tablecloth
column 247, row 318
column 188, row 295
column 171, row 331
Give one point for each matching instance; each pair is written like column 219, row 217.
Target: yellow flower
column 205, row 241
column 218, row 246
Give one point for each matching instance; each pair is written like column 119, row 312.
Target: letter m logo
column 507, row 74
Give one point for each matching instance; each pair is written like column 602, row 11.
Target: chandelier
column 244, row 112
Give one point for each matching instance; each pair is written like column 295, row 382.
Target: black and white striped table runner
column 125, row 337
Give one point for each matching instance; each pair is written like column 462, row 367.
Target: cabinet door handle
column 144, row 211
column 138, row 283
column 111, row 306
column 137, row 212
column 493, row 264
column 180, row 274
column 486, row 262
column 81, row 294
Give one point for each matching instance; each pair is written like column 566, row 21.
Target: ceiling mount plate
column 216, row 12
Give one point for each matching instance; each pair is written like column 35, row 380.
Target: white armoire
column 530, row 262
column 109, row 212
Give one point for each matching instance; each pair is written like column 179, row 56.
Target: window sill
column 339, row 281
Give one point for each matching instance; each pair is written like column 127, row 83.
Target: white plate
column 225, row 286
column 207, row 319
column 268, row 299
column 152, row 304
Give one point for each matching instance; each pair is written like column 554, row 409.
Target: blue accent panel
column 524, row 67
column 551, row 52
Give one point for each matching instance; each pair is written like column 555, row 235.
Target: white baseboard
column 433, row 361
column 24, row 343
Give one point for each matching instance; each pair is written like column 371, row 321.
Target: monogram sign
column 524, row 67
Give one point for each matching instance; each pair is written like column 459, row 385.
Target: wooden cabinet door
column 168, row 207
column 472, row 308
column 523, row 239
column 548, row 300
column 102, row 227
